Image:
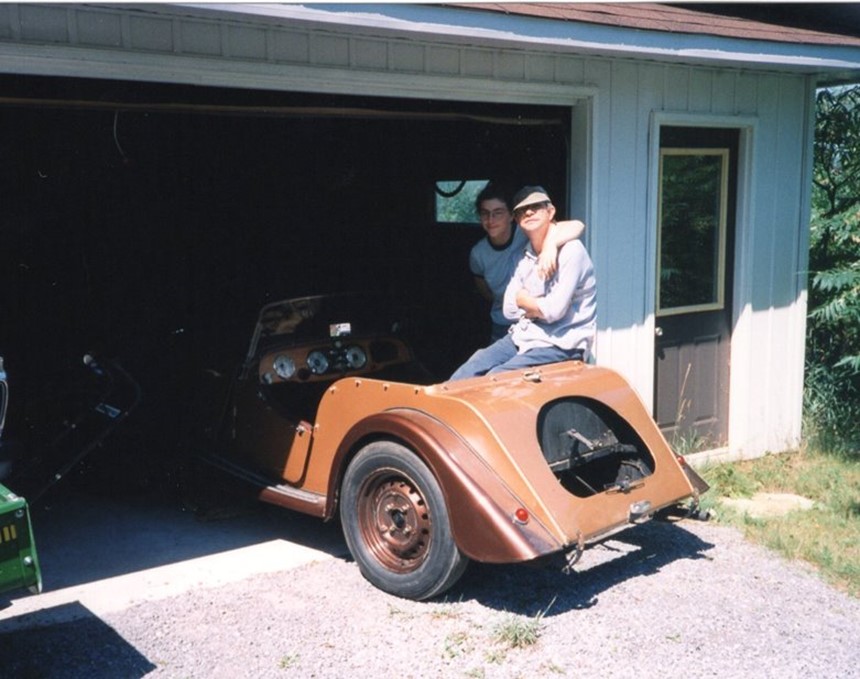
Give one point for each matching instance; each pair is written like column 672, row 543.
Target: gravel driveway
column 662, row 600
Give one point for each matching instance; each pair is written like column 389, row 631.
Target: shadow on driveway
column 85, row 646
column 641, row 551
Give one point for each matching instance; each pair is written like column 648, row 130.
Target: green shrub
column 832, row 386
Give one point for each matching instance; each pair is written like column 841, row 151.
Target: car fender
column 482, row 509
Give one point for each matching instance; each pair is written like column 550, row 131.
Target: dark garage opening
column 150, row 222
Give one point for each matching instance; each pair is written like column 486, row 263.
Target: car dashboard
column 331, row 359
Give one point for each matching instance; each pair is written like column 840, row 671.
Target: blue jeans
column 502, row 355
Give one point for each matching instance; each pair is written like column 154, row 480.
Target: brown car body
column 529, row 463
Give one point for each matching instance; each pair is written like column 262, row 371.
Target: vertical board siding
column 409, row 57
column 201, row 39
column 477, row 63
column 701, row 94
column 98, row 29
column 623, row 241
column 746, row 93
column 511, row 66
column 289, row 46
column 540, row 68
column 570, row 71
column 599, row 74
column 246, row 43
column 789, row 278
column 150, row 34
column 650, row 97
column 676, row 89
column 443, row 60
column 765, row 328
column 49, row 24
column 372, row 54
column 6, row 21
column 724, row 87
column 329, row 50
column 757, row 380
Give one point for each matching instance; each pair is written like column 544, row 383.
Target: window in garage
column 455, row 200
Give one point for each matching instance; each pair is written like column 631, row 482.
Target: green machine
column 19, row 564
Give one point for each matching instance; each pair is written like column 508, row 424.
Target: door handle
column 658, row 331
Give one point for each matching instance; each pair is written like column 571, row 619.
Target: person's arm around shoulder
column 559, row 233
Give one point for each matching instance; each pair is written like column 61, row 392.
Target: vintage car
column 331, row 414
column 19, row 564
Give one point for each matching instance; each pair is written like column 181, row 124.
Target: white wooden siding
column 616, row 101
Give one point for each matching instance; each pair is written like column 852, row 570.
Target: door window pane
column 692, row 229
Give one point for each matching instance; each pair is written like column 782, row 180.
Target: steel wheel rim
column 394, row 520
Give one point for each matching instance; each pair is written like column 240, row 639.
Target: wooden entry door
column 696, row 206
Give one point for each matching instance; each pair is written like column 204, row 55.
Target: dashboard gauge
column 355, row 357
column 317, row 362
column 284, row 367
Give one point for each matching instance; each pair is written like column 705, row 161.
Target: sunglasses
column 534, row 207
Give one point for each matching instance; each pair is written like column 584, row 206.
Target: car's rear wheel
column 396, row 523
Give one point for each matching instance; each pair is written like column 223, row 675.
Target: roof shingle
column 667, row 19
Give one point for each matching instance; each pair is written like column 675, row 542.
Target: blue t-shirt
column 496, row 264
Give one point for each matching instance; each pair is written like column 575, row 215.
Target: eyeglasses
column 498, row 213
column 534, row 207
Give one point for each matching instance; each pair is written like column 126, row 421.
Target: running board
column 277, row 494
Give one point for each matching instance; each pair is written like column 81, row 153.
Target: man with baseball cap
column 493, row 259
column 554, row 318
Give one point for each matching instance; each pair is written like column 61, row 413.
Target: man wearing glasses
column 554, row 318
column 494, row 258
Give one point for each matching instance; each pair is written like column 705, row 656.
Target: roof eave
column 827, row 64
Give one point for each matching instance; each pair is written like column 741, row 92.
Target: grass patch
column 518, row 632
column 515, row 631
column 446, row 611
column 458, row 643
column 827, row 536
column 288, row 661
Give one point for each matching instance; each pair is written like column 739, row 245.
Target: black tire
column 396, row 523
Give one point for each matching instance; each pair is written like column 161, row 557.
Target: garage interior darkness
column 150, row 222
